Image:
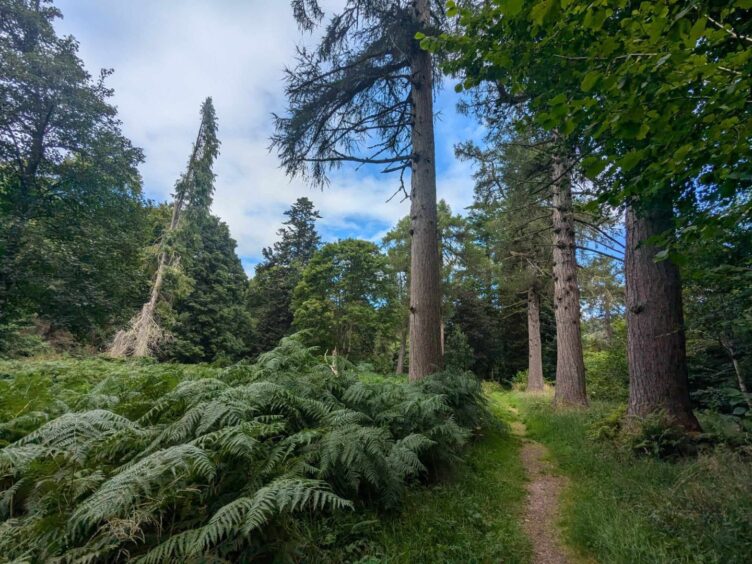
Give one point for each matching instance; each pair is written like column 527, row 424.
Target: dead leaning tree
column 193, row 194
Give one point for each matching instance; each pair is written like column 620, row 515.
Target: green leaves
column 630, row 160
column 512, row 7
column 593, row 166
column 589, row 80
column 541, row 10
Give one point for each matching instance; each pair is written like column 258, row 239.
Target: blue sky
column 168, row 55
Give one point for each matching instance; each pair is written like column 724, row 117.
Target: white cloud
column 168, row 56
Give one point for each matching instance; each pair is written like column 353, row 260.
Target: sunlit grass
column 620, row 508
column 474, row 515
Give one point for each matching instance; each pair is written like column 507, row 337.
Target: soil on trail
column 542, row 505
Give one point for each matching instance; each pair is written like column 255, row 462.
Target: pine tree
column 193, row 196
column 365, row 96
column 211, row 321
column 512, row 187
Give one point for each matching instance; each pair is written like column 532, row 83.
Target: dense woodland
column 158, row 404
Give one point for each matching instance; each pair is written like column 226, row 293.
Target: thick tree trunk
column 401, row 356
column 570, row 366
column 425, row 275
column 535, row 349
column 655, row 323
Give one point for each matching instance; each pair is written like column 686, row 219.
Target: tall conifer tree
column 365, row 96
column 193, row 196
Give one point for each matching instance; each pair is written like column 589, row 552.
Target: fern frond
column 155, row 476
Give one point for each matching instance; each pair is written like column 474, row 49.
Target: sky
column 169, row 55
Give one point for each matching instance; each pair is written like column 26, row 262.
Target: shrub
column 654, row 436
column 219, row 464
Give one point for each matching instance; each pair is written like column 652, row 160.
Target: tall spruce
column 271, row 289
column 570, row 365
column 512, row 188
column 365, row 96
column 193, row 196
column 211, row 320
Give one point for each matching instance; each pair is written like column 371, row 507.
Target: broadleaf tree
column 62, row 152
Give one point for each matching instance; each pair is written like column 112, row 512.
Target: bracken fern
column 218, row 464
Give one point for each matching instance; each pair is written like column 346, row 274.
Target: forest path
column 544, row 489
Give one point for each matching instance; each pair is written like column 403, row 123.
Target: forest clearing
column 364, row 281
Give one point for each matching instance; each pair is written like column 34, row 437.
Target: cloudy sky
column 168, row 55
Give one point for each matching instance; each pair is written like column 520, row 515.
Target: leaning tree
column 193, row 197
column 364, row 95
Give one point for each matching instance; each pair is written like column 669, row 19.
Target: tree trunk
column 425, row 275
column 570, row 366
column 401, row 356
column 607, row 325
column 535, row 349
column 655, row 323
column 729, row 348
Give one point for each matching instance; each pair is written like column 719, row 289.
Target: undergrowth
column 625, row 507
column 473, row 514
column 161, row 463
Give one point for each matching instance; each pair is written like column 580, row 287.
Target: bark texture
column 655, row 323
column 425, row 275
column 570, row 366
column 401, row 356
column 535, row 349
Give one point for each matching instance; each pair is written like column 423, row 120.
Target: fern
column 206, row 464
column 151, row 480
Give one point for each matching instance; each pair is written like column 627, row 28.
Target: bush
column 519, row 380
column 218, row 464
column 654, row 436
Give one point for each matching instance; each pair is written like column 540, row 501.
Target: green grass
column 473, row 515
column 621, row 508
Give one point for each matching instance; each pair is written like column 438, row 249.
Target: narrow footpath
column 544, row 489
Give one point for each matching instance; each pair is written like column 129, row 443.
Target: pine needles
column 227, row 465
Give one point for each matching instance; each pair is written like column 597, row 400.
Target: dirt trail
column 542, row 505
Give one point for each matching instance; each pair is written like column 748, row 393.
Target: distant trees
column 365, row 95
column 512, row 188
column 346, row 299
column 271, row 289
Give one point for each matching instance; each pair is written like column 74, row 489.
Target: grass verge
column 624, row 509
